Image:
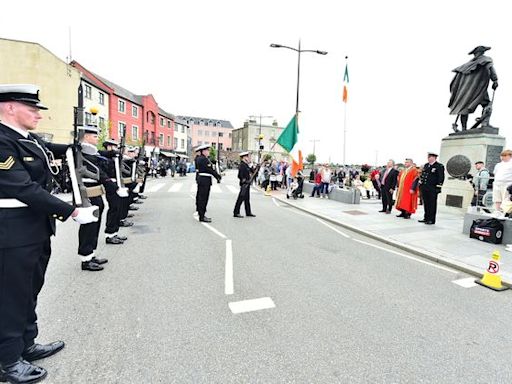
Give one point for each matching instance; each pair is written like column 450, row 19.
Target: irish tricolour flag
column 289, row 140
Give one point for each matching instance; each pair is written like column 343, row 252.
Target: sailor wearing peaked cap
column 244, row 175
column 89, row 129
column 204, row 173
column 431, row 182
column 432, row 154
column 28, row 212
column 23, row 93
column 108, row 142
column 246, row 153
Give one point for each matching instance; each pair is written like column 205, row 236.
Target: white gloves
column 136, row 189
column 87, row 215
column 122, row 192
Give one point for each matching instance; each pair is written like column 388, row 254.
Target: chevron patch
column 7, row 164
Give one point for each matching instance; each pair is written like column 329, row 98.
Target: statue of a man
column 469, row 88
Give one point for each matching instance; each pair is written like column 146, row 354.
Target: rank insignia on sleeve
column 7, row 164
column 28, row 158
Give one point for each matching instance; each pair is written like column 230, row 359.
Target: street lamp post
column 260, row 135
column 299, row 51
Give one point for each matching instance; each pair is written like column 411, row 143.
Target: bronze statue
column 469, row 89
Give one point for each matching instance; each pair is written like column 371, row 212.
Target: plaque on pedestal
column 459, row 152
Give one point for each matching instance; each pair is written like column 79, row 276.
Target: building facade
column 181, row 137
column 214, row 132
column 247, row 138
column 23, row 62
column 94, row 95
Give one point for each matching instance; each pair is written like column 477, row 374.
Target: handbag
column 487, row 230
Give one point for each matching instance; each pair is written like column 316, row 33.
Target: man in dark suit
column 28, row 212
column 244, row 175
column 388, row 180
column 431, row 182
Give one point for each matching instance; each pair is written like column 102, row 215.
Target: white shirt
column 503, row 172
column 20, row 131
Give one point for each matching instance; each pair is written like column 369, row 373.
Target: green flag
column 288, row 138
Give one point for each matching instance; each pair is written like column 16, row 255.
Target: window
column 221, row 134
column 135, row 132
column 182, row 129
column 201, row 122
column 182, row 143
column 214, row 145
column 199, row 142
column 218, row 124
column 210, row 123
column 151, row 117
column 176, row 127
column 214, row 134
column 121, row 127
column 161, row 121
column 175, row 142
column 168, row 141
column 88, row 118
column 200, row 133
column 168, row 123
column 220, row 146
column 207, row 142
column 229, row 135
column 88, row 91
column 161, row 139
column 121, row 106
column 207, row 133
column 102, row 98
column 102, row 122
column 135, row 111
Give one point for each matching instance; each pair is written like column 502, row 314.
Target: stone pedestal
column 475, row 145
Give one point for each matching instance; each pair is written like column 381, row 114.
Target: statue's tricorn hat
column 479, row 49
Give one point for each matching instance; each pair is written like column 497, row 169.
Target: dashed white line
column 175, row 187
column 214, row 230
column 468, row 282
column 155, row 187
column 275, row 202
column 406, row 256
column 232, row 188
column 215, row 189
column 228, row 280
column 251, row 305
column 334, row 229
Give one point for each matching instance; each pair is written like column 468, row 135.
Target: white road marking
column 275, row 202
column 193, row 188
column 232, row 188
column 251, row 305
column 215, row 189
column 468, row 282
column 406, row 256
column 228, row 281
column 334, row 229
column 175, row 187
column 214, row 230
column 155, row 187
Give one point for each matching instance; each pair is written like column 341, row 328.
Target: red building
column 139, row 114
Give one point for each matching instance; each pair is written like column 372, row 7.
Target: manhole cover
column 355, row 212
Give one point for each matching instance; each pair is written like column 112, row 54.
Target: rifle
column 118, row 161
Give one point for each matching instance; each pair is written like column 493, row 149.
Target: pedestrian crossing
column 192, row 188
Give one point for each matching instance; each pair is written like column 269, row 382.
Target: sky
column 213, row 59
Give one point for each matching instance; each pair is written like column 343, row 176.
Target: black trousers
column 387, row 199
column 22, row 273
column 88, row 233
column 113, row 213
column 202, row 196
column 243, row 196
column 429, row 195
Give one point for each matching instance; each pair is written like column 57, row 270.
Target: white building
column 95, row 97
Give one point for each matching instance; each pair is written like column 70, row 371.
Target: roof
column 93, row 82
column 223, row 123
column 179, row 120
column 166, row 114
column 120, row 91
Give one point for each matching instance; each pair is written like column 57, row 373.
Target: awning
column 167, row 154
column 182, row 156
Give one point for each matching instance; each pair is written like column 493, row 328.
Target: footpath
column 443, row 242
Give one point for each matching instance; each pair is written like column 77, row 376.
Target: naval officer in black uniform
column 431, row 182
column 27, row 212
column 204, row 173
column 244, row 175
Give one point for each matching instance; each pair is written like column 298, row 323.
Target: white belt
column 11, row 203
column 87, row 180
column 205, row 174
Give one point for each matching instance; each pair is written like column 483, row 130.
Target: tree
column 311, row 158
column 213, row 155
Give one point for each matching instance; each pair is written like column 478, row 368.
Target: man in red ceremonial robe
column 407, row 194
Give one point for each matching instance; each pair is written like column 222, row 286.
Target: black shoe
column 41, row 351
column 388, row 212
column 124, row 223
column 205, row 219
column 99, row 261
column 237, row 215
column 22, row 372
column 382, row 210
column 91, row 266
column 429, row 222
column 113, row 240
column 407, row 216
column 122, row 238
column 422, row 221
column 138, row 202
column 133, row 208
column 143, row 197
column 129, row 215
column 250, row 215
column 400, row 215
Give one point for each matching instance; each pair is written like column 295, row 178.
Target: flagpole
column 345, row 118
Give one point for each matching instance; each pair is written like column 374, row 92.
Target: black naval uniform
column 205, row 172
column 114, row 201
column 88, row 233
column 431, row 181
column 244, row 174
column 27, row 213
